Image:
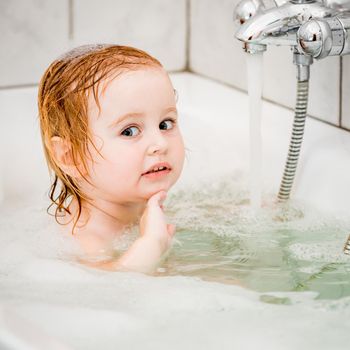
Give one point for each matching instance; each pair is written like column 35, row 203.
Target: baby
column 109, row 127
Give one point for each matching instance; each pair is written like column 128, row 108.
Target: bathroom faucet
column 249, row 8
column 322, row 37
column 313, row 28
column 276, row 23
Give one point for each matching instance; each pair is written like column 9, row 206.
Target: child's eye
column 128, row 131
column 163, row 124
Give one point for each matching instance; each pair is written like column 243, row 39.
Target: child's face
column 134, row 145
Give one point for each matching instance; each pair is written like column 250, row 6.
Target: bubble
column 227, row 265
column 82, row 51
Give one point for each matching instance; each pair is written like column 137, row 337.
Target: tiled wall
column 214, row 52
column 34, row 32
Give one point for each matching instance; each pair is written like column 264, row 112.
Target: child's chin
column 158, row 189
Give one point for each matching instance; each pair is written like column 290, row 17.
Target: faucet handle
column 313, row 38
column 324, row 37
column 247, row 9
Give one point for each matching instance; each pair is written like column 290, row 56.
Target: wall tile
column 156, row 26
column 214, row 51
column 33, row 33
column 346, row 93
column 280, row 83
column 24, row 169
column 325, row 89
column 217, row 54
column 279, row 76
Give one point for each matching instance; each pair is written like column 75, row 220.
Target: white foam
column 81, row 51
column 81, row 308
column 327, row 251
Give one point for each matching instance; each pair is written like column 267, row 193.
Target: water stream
column 255, row 86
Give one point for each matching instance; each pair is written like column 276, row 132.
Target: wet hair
column 64, row 91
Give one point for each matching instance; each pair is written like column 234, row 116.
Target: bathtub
column 48, row 302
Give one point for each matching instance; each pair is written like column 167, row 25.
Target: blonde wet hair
column 64, row 91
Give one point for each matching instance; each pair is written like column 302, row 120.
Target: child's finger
column 171, row 229
column 157, row 199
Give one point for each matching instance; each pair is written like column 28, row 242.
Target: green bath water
column 281, row 248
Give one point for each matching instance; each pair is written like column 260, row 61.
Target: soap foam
column 84, row 308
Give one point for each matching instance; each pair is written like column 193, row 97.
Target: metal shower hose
column 296, row 140
column 295, row 145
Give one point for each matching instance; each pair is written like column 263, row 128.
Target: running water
column 255, row 77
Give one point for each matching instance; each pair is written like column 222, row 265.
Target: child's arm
column 156, row 237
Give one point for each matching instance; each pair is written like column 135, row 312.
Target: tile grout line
column 188, row 34
column 70, row 20
column 340, row 91
column 18, row 86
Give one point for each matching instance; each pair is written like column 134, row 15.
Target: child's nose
column 158, row 143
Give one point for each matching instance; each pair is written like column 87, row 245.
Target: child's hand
column 156, row 236
column 153, row 222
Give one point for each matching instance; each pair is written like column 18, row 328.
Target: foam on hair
column 82, row 51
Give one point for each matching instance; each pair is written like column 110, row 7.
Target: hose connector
column 303, row 63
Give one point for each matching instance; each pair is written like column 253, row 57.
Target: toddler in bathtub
column 108, row 122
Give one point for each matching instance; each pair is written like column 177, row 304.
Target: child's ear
column 62, row 152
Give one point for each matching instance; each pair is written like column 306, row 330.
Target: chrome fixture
column 313, row 29
column 274, row 24
column 247, row 9
column 324, row 37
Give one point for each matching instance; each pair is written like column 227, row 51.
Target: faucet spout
column 278, row 25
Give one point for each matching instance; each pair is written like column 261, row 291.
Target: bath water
column 255, row 86
column 283, row 247
column 227, row 265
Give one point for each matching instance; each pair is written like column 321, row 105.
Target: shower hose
column 296, row 140
column 295, row 146
column 347, row 246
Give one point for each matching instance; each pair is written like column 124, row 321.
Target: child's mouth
column 155, row 174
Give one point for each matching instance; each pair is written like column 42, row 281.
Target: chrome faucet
column 313, row 28
column 279, row 23
column 322, row 37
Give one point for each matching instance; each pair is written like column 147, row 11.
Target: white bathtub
column 49, row 303
column 323, row 172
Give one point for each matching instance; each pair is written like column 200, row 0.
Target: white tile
column 325, row 89
column 22, row 157
column 214, row 51
column 279, row 76
column 156, row 26
column 280, row 83
column 33, row 33
column 346, row 93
